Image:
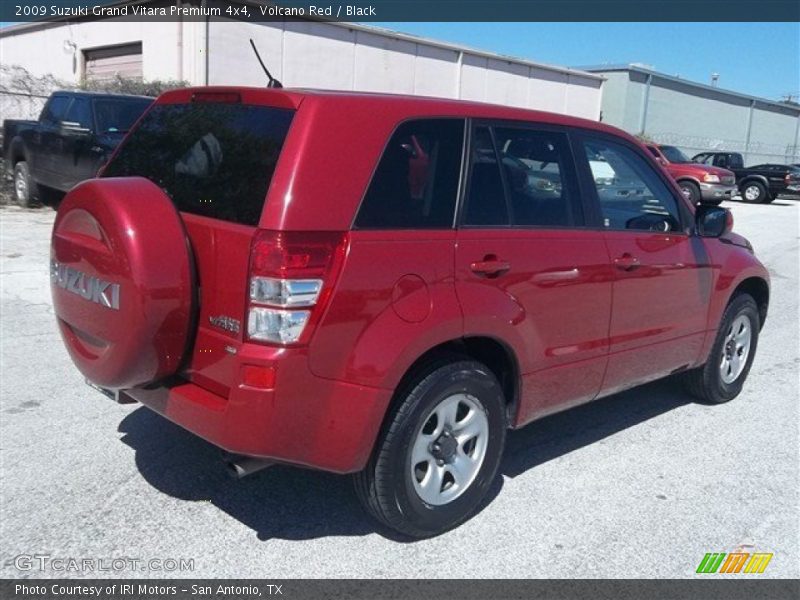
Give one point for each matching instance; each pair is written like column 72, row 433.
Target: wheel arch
column 498, row 356
column 17, row 151
column 758, row 289
column 750, row 178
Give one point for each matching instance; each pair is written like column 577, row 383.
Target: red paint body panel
column 99, row 236
column 552, row 308
column 577, row 325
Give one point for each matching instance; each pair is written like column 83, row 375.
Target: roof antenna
column 273, row 83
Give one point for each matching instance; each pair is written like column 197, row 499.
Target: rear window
column 212, row 159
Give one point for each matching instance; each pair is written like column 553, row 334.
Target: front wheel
column 691, row 191
column 722, row 377
column 439, row 452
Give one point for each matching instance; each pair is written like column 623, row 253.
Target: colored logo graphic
column 735, row 562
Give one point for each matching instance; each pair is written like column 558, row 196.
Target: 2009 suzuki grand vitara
column 382, row 285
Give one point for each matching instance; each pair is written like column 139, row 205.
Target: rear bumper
column 305, row 420
column 716, row 191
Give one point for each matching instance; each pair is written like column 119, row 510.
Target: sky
column 760, row 59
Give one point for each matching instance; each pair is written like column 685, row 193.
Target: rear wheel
column 25, row 189
column 754, row 192
column 722, row 377
column 439, row 452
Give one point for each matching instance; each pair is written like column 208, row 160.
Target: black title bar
column 407, row 10
column 712, row 588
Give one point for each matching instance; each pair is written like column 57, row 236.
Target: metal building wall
column 698, row 118
column 300, row 54
column 332, row 56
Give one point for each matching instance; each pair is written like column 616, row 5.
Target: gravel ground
column 641, row 484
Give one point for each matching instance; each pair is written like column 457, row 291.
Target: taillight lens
column 291, row 278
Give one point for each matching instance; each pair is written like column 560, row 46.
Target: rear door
column 527, row 270
column 215, row 159
column 662, row 275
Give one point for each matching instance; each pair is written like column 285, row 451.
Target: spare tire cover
column 122, row 281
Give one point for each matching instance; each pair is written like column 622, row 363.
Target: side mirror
column 74, row 129
column 713, row 221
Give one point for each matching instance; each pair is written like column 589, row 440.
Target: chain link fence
column 754, row 153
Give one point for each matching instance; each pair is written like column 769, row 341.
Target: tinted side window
column 540, row 177
column 735, row 161
column 416, row 182
column 630, row 192
column 212, row 159
column 486, row 201
column 55, row 109
column 80, row 112
column 117, row 115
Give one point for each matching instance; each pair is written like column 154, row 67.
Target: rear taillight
column 291, row 278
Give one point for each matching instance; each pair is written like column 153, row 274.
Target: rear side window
column 416, row 182
column 212, row 159
column 486, row 204
column 536, row 186
column 540, row 178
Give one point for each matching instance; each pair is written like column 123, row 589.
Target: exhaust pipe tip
column 242, row 466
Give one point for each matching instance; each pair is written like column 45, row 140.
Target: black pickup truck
column 74, row 136
column 759, row 183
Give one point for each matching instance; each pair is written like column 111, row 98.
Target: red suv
column 699, row 183
column 383, row 285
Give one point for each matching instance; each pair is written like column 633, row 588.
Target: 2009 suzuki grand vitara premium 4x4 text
column 383, row 285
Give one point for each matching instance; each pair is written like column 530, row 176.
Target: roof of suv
column 413, row 105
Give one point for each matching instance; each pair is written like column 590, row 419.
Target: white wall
column 322, row 55
column 305, row 54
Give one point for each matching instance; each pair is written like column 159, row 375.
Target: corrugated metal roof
column 688, row 83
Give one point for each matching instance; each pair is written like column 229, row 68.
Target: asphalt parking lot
column 641, row 484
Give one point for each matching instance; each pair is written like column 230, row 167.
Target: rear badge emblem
column 86, row 286
column 226, row 323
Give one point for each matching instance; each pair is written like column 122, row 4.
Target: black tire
column 756, row 191
column 705, row 383
column 691, row 190
column 770, row 198
column 385, row 486
column 25, row 189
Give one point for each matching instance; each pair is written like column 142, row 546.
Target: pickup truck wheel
column 754, row 192
column 25, row 189
column 722, row 377
column 691, row 191
column 439, row 452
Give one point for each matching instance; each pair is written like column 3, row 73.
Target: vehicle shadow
column 298, row 504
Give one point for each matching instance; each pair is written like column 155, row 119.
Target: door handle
column 627, row 262
column 490, row 266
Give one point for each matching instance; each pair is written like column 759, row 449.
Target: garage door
column 103, row 64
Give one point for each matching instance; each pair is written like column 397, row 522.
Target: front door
column 528, row 271
column 662, row 277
